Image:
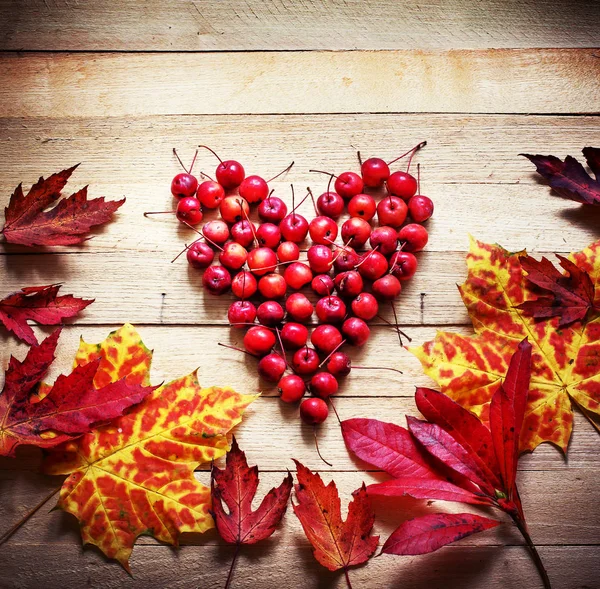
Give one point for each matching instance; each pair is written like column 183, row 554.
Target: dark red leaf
column 422, row 535
column 592, row 156
column 40, row 304
column 235, row 486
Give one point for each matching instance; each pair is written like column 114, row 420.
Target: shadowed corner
column 587, row 216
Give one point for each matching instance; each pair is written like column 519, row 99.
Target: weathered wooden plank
column 492, row 81
column 211, row 25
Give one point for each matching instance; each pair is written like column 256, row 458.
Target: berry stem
column 377, row 368
column 301, row 202
column 205, row 175
column 359, row 158
column 281, row 173
column 281, row 346
column 337, row 416
column 394, row 326
column 180, row 162
column 366, row 257
column 422, row 144
column 245, row 214
column 236, row 349
column 313, row 200
column 146, row 214
column 396, row 323
column 412, row 151
column 323, row 172
column 211, row 151
column 317, row 447
column 418, row 178
column 202, row 236
column 193, row 162
column 333, row 352
column 185, row 249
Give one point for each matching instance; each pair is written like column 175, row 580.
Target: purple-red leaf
column 422, row 535
column 40, row 304
column 235, row 486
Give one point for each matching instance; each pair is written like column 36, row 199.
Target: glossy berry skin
column 200, row 255
column 323, row 230
column 244, row 285
column 293, row 335
column 392, row 211
column 234, row 209
column 373, row 265
column 210, row 194
column 345, row 259
column 313, row 411
column 216, row 231
column 374, row 172
column 188, row 210
column 326, row 338
column 349, row 284
column 320, row 258
column 297, row 275
column 254, row 189
column 323, row 384
column 272, row 367
column 348, row 184
column 268, row 235
column 403, row 265
column 291, row 388
column 356, row 331
column 355, row 232
column 414, row 237
column 259, row 340
column 402, row 184
column 322, row 284
column 243, row 233
column 339, row 364
column 216, row 280
column 272, row 210
column 183, row 185
column 230, row 174
column 288, row 251
column 299, row 308
column 386, row 238
column 305, row 361
column 272, row 286
column 387, row 287
column 233, row 256
column 261, row 261
column 331, row 309
column 363, row 206
column 270, row 313
column 294, row 227
column 240, row 313
column 330, row 204
column 365, row 306
column 420, row 208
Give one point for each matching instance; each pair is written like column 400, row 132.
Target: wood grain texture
column 215, row 25
column 491, row 81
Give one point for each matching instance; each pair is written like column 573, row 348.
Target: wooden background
column 117, row 85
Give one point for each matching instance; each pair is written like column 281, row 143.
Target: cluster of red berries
column 261, row 263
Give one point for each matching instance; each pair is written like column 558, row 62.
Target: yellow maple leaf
column 136, row 475
column 565, row 361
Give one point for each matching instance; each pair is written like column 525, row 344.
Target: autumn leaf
column 136, row 475
column 336, row 544
column 68, row 409
column 29, row 222
column 236, row 486
column 569, row 178
column 565, row 360
column 40, row 304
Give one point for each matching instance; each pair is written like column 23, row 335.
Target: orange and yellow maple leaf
column 566, row 361
column 136, row 475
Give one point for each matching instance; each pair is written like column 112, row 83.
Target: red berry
column 234, row 209
column 362, row 205
column 392, row 211
column 356, row 331
column 291, row 388
column 216, row 280
column 188, row 210
column 323, row 384
column 254, row 189
column 349, row 284
column 268, row 235
column 313, row 411
column 294, row 335
column 330, row 309
column 240, row 313
column 243, row 233
column 420, row 208
column 297, row 275
column 330, row 204
column 355, row 232
column 230, row 174
column 233, row 256
column 244, row 285
column 386, row 238
column 323, row 230
column 373, row 265
column 365, row 306
column 272, row 286
column 326, row 338
column 272, row 209
column 320, row 258
column 374, row 172
column 272, row 367
column 413, row 237
column 216, row 231
column 387, row 287
column 305, row 361
column 402, row 184
column 210, row 194
column 294, row 227
column 345, row 259
column 339, row 364
column 403, row 265
column 183, row 185
column 261, row 261
column 298, row 307
column 288, row 251
column 259, row 340
column 199, row 255
column 322, row 284
column 348, row 184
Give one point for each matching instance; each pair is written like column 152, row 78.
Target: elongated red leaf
column 235, row 486
column 592, row 156
column 422, row 535
column 40, row 304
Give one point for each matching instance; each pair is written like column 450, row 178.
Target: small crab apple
column 323, row 230
column 270, row 313
column 365, row 306
column 403, row 265
column 339, row 364
column 210, row 194
column 348, row 184
column 355, row 232
column 244, row 285
column 330, row 204
column 288, row 251
column 313, row 411
column 294, row 335
column 374, row 172
column 322, row 284
column 188, row 210
column 372, row 265
column 297, row 275
column 413, row 237
column 272, row 209
column 323, row 384
column 254, row 189
column 305, row 361
column 271, row 367
column 259, row 340
column 241, row 313
column 392, row 211
column 294, row 227
column 229, row 173
column 216, row 231
column 200, row 255
column 216, row 280
column 268, row 235
column 243, row 232
column 299, row 308
column 362, row 205
column 345, row 259
column 326, row 338
column 402, row 184
column 272, row 286
column 233, row 256
column 420, row 208
column 387, row 287
column 349, row 284
column 291, row 388
column 356, row 331
column 234, row 209
column 331, row 309
column 386, row 238
column 320, row 258
column 261, row 261
column 183, row 185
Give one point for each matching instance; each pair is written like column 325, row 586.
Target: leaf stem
column 347, row 578
column 533, row 550
column 235, row 555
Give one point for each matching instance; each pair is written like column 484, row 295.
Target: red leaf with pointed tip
column 337, row 544
column 40, row 304
column 236, row 486
column 70, row 408
column 28, row 222
column 422, row 535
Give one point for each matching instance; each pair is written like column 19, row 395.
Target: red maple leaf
column 568, row 296
column 69, row 408
column 236, row 486
column 28, row 222
column 40, row 304
column 569, row 178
